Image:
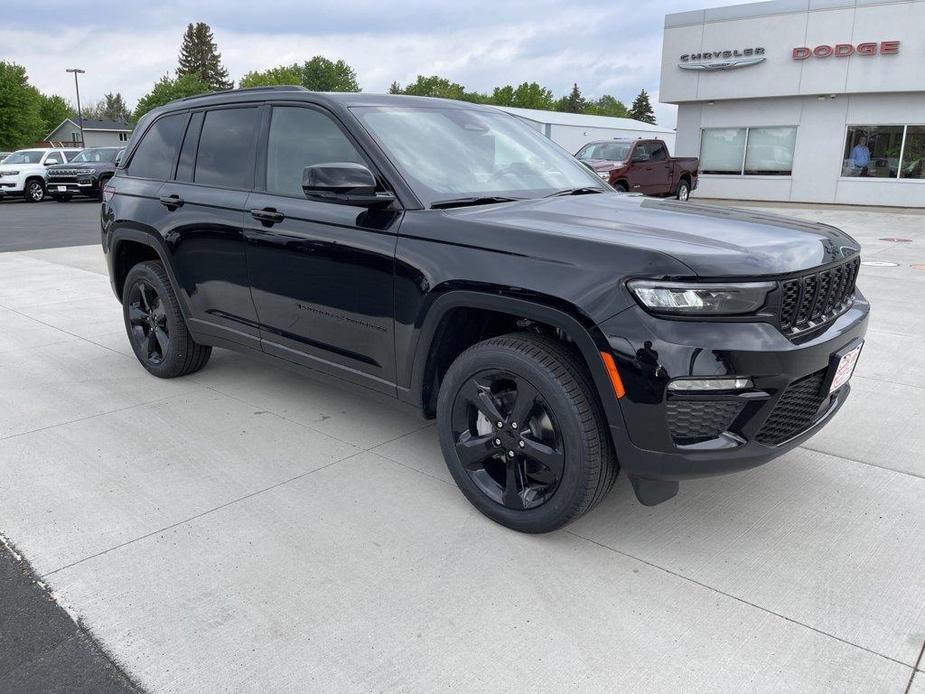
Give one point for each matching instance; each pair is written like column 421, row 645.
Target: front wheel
column 155, row 325
column 621, row 187
column 684, row 191
column 35, row 191
column 523, row 434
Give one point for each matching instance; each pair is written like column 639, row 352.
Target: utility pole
column 80, row 115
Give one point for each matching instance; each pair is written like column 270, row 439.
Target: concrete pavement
column 245, row 529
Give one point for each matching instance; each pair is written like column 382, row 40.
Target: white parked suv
column 23, row 172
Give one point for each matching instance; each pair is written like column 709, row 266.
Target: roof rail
column 271, row 88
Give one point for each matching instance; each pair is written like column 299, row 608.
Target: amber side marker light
column 614, row 375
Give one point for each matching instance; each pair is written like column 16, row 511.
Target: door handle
column 171, row 202
column 267, row 216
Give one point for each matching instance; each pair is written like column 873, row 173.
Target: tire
column 621, row 187
column 684, row 191
column 34, row 190
column 155, row 326
column 60, row 198
column 551, row 467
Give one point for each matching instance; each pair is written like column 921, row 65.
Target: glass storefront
column 884, row 151
column 748, row 151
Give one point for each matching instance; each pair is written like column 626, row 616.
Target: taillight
column 108, row 191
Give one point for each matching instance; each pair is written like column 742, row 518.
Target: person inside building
column 860, row 157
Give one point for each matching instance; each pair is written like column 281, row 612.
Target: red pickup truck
column 641, row 166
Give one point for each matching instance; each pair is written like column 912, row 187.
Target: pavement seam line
column 741, row 600
column 861, row 462
column 66, row 332
column 917, row 668
column 200, row 515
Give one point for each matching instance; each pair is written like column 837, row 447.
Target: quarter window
column 301, row 137
column 157, row 151
column 225, row 148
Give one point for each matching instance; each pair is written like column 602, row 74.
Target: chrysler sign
column 721, row 60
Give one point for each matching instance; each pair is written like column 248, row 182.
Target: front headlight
column 691, row 298
column 9, row 173
column 604, row 174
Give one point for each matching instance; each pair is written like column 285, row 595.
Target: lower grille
column 816, row 298
column 795, row 411
column 693, row 421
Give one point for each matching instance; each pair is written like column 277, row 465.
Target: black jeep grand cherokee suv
column 86, row 174
column 447, row 256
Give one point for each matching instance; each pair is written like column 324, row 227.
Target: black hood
column 711, row 241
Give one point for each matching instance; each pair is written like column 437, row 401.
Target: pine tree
column 395, row 88
column 113, row 107
column 642, row 108
column 573, row 103
column 199, row 56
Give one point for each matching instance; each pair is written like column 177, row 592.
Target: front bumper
column 650, row 352
column 73, row 186
column 12, row 185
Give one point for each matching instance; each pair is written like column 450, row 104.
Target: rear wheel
column 35, row 190
column 155, row 325
column 523, row 434
column 684, row 191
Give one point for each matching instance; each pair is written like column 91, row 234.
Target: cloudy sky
column 606, row 46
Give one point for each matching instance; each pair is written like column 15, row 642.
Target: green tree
column 282, row 75
column 114, row 108
column 608, row 106
column 532, row 95
column 199, row 56
column 20, row 108
column 573, row 103
column 322, row 75
column 395, row 88
column 503, row 96
column 53, row 110
column 166, row 90
column 435, row 86
column 318, row 74
column 642, row 108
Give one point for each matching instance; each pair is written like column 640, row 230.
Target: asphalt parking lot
column 246, row 529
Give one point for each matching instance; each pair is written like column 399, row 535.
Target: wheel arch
column 128, row 247
column 580, row 331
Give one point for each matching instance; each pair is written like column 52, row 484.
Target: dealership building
column 802, row 100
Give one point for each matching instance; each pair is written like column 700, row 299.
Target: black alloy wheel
column 155, row 325
column 148, row 320
column 523, row 433
column 509, row 442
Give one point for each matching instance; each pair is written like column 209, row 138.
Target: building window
column 75, row 136
column 123, row 137
column 748, row 151
column 913, row 165
column 873, row 151
column 721, row 150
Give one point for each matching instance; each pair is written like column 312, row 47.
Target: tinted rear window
column 225, row 148
column 157, row 151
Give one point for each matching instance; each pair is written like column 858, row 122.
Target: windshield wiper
column 467, row 202
column 583, row 190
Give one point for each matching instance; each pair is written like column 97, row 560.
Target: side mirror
column 345, row 183
column 50, row 162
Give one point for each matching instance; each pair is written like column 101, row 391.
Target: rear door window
column 226, row 148
column 157, row 151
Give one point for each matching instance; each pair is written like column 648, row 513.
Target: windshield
column 611, row 151
column 96, row 155
column 28, row 156
column 446, row 153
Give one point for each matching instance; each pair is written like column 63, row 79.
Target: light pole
column 80, row 116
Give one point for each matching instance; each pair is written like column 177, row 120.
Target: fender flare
column 587, row 339
column 155, row 242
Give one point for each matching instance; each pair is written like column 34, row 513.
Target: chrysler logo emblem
column 721, row 60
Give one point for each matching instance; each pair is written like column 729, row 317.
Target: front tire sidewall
column 684, row 191
column 568, row 496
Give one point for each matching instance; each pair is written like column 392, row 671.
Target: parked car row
column 641, row 166
column 34, row 174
